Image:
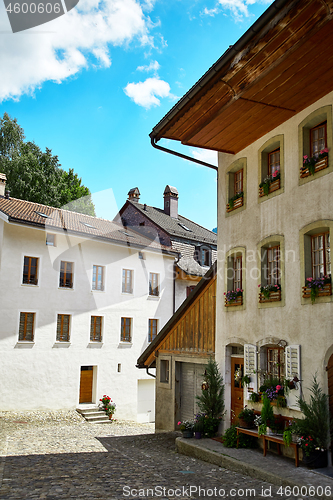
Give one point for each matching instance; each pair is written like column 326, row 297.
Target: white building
column 81, row 298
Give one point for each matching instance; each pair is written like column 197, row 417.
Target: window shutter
column 250, row 366
column 293, row 369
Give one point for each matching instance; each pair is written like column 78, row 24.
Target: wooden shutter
column 251, row 366
column 293, row 369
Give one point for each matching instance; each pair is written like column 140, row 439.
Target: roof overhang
column 280, row 66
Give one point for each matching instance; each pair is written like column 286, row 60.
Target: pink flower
column 237, row 290
column 278, row 388
column 259, row 286
column 179, row 423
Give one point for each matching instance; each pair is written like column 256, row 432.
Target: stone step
column 94, row 415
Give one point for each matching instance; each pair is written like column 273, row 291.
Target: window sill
column 153, row 297
column 126, row 293
column 125, row 344
column 95, row 345
column 65, row 288
column 30, row 285
column 61, row 344
column 100, row 291
column 24, row 344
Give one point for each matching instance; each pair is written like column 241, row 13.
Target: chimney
column 171, row 201
column 134, row 194
column 3, row 179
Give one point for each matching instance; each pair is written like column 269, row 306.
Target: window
column 30, row 271
column 26, row 329
column 63, row 323
column 205, row 257
column 154, row 284
column 237, row 263
column 273, row 265
column 236, row 185
column 318, row 138
column 152, row 329
column 98, row 278
column 271, row 167
column 238, row 181
column 66, row 274
column 50, row 239
column 127, row 281
column 320, row 255
column 126, row 327
column 275, row 362
column 164, row 371
column 274, row 162
column 96, row 329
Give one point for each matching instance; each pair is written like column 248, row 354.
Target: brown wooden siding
column 195, row 331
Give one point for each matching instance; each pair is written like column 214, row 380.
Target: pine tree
column 211, row 400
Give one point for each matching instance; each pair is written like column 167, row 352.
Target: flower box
column 236, row 302
column 274, row 186
column 237, row 203
column 320, row 165
column 273, row 297
column 324, row 292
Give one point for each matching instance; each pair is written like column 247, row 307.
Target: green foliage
column 267, row 414
column 254, row 397
column 230, row 439
column 316, row 421
column 211, row 400
column 247, row 414
column 36, row 176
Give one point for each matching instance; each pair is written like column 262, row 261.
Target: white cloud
column 144, row 93
column 238, row 8
column 68, row 44
column 206, row 155
column 153, row 66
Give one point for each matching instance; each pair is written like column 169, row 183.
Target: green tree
column 35, row 175
column 211, row 400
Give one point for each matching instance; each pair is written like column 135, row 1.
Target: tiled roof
column 50, row 218
column 177, row 227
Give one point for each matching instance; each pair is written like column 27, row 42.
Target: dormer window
column 204, row 256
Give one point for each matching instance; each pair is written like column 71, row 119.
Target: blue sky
column 93, row 83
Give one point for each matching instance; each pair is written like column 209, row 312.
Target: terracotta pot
column 246, row 425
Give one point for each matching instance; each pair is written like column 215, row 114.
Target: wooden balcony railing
column 273, row 297
column 237, row 203
column 236, row 302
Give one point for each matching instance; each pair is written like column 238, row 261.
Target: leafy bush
column 230, row 439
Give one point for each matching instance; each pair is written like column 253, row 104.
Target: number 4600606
column 33, row 8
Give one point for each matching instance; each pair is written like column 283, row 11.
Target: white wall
column 46, row 374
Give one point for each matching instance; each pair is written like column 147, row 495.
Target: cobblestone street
column 63, row 457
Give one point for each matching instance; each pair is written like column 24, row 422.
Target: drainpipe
column 150, row 374
column 181, row 155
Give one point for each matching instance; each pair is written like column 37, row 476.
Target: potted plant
column 317, row 287
column 199, row 425
column 254, row 397
column 269, row 293
column 246, row 380
column 310, row 162
column 265, row 187
column 234, row 297
column 107, row 405
column 211, row 400
column 235, row 201
column 187, row 428
column 267, row 416
column 246, row 418
column 314, row 428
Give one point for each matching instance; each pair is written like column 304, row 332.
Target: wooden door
column 330, row 387
column 192, row 375
column 86, row 384
column 237, row 366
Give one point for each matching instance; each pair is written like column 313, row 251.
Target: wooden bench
column 267, row 437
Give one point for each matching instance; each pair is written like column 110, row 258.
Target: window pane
column 26, row 328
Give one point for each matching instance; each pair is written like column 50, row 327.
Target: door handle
column 239, row 398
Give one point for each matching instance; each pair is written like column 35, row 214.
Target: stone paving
column 60, row 456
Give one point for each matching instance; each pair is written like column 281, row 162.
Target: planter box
column 324, row 292
column 273, row 297
column 237, row 203
column 237, row 302
column 320, row 165
column 274, row 186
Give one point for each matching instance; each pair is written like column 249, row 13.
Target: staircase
column 94, row 415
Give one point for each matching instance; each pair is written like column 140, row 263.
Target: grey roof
column 50, row 218
column 177, row 227
column 191, row 266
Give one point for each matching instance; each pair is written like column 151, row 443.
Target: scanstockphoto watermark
column 200, row 492
column 188, row 491
column 25, row 14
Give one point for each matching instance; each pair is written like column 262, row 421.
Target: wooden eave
column 255, row 86
column 199, row 337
